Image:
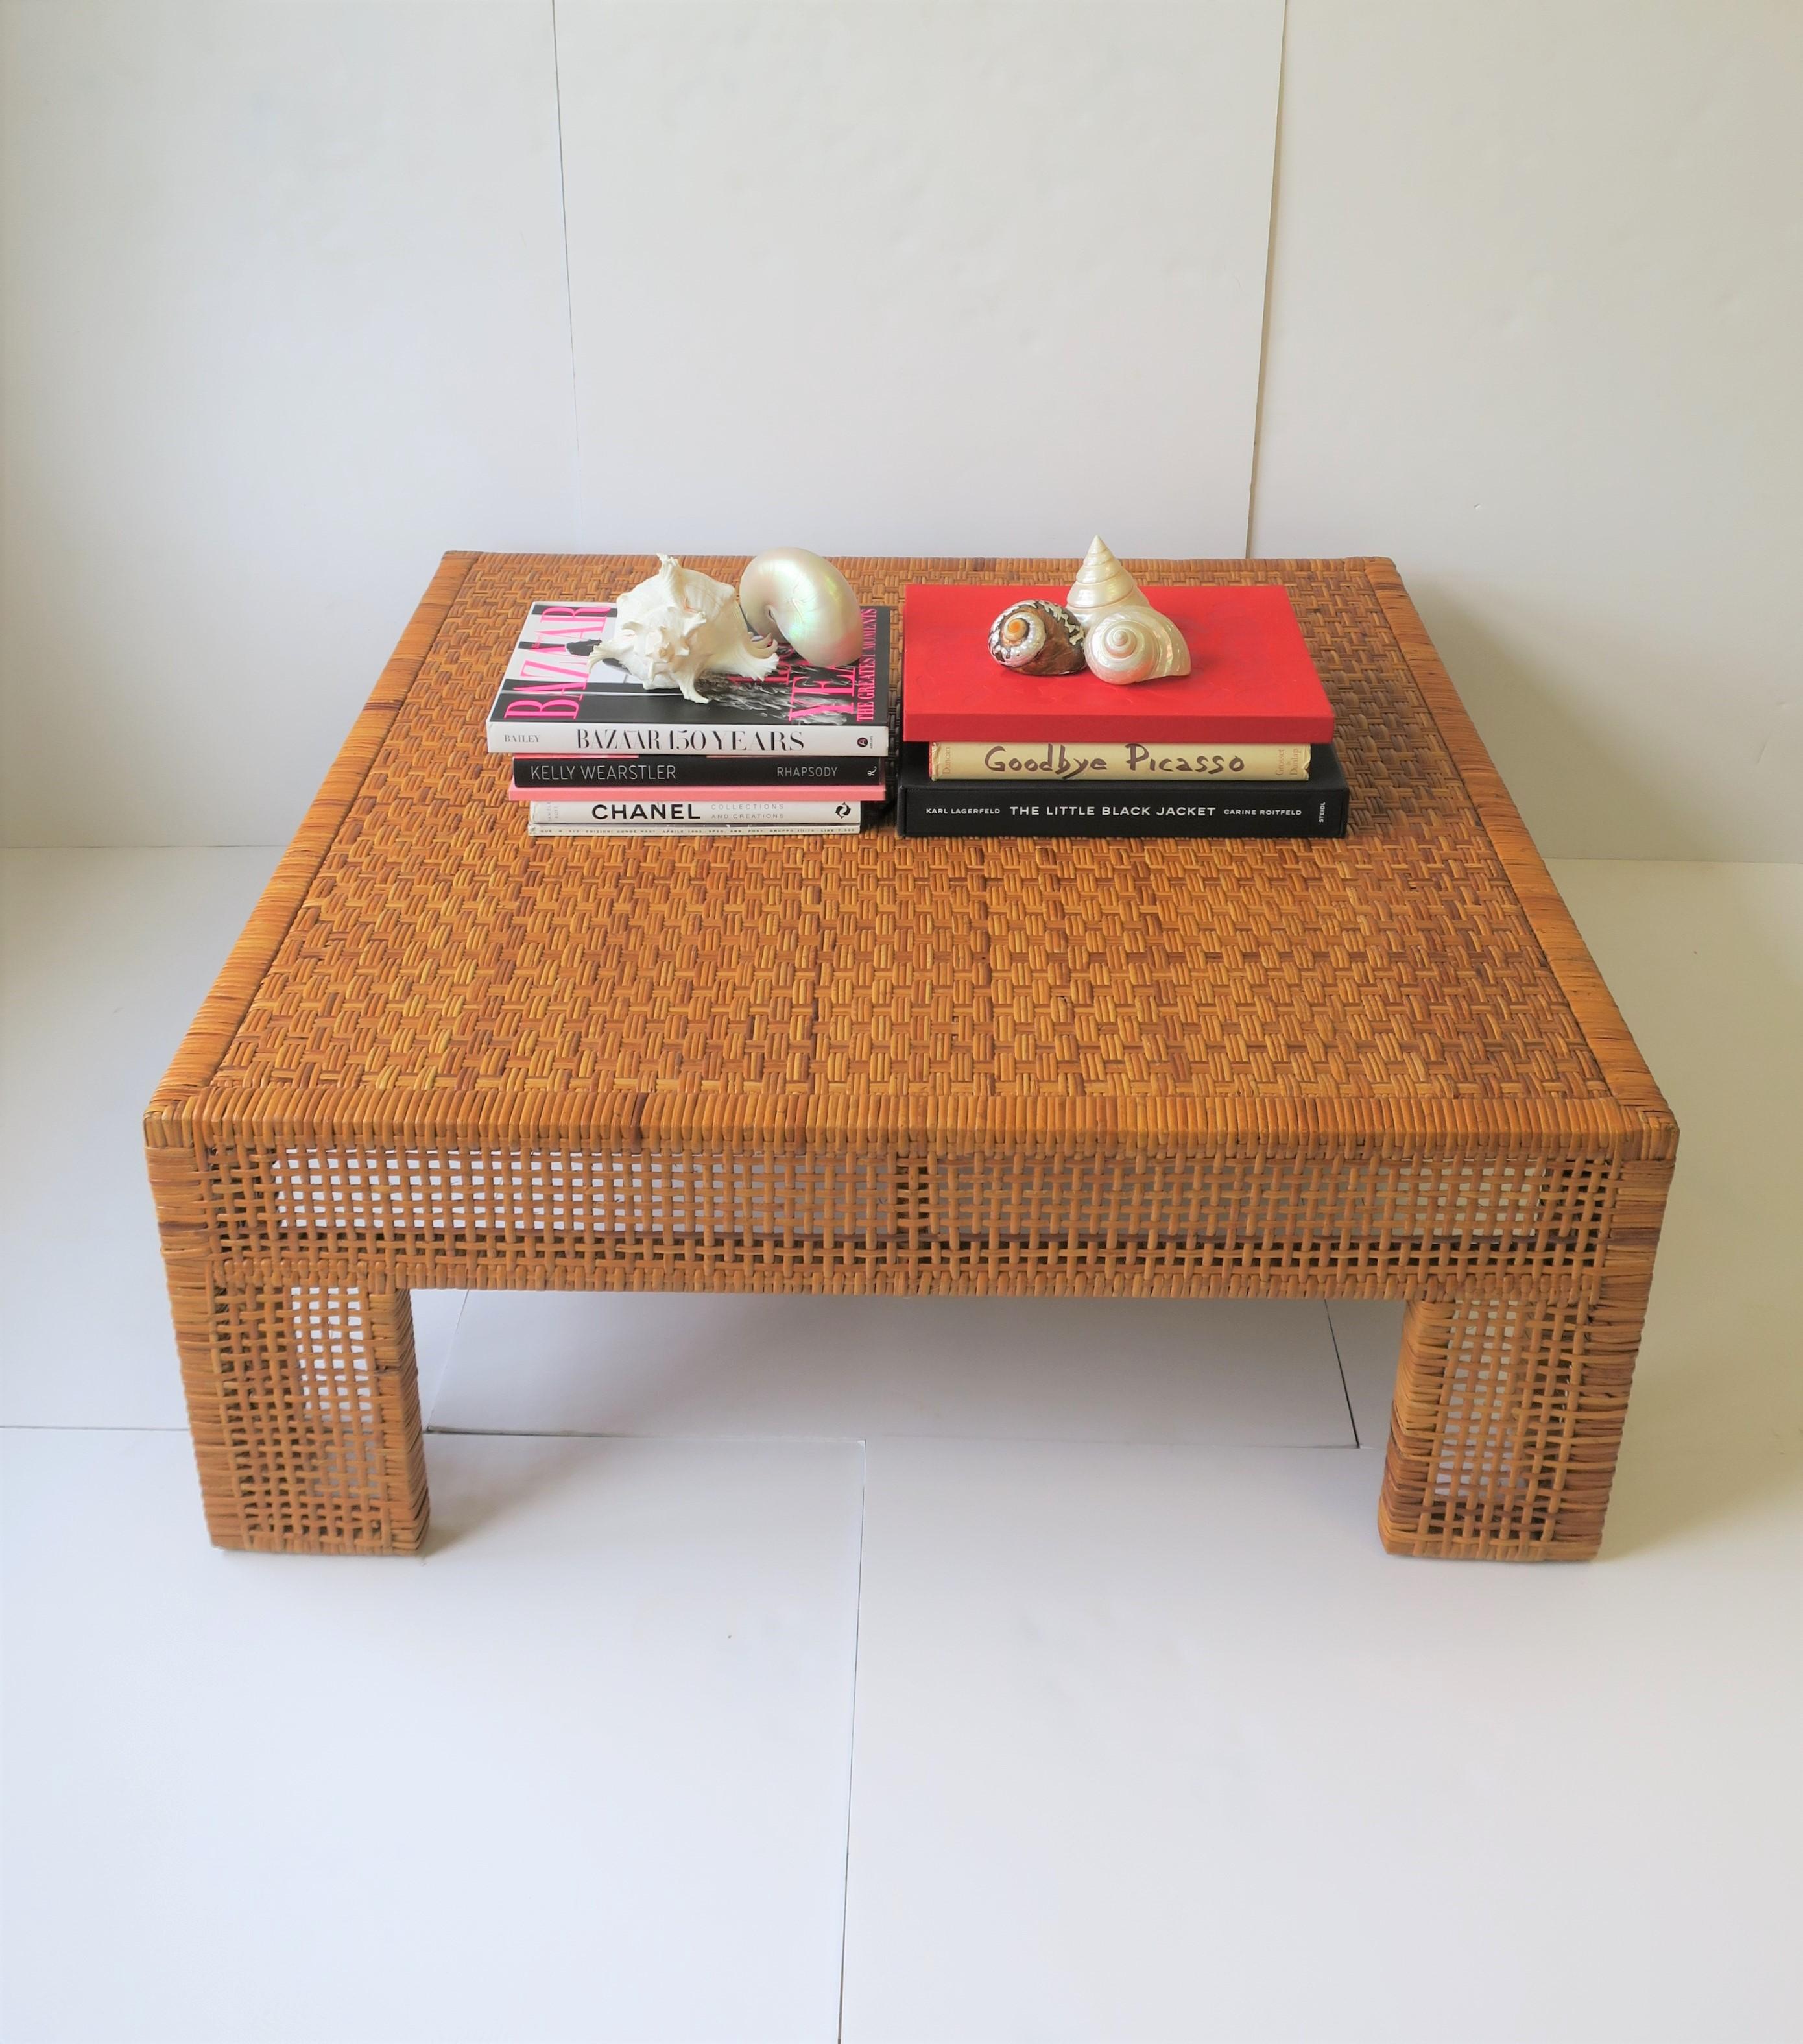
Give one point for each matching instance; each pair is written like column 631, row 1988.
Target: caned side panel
column 302, row 1393
column 1509, row 1413
column 1277, row 1220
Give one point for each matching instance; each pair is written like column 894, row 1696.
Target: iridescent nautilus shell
column 1134, row 642
column 1036, row 638
column 805, row 598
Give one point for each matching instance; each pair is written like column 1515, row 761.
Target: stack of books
column 1240, row 747
column 593, row 755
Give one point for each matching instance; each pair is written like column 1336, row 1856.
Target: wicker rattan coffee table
column 443, row 1054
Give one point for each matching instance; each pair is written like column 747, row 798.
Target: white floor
column 907, row 1670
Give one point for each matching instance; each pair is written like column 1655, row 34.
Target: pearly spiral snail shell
column 806, row 599
column 1134, row 642
column 1037, row 638
column 1102, row 584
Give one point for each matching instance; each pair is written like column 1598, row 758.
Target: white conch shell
column 1134, row 642
column 679, row 625
column 807, row 600
column 1102, row 584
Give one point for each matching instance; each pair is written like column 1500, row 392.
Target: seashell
column 1036, row 638
column 679, row 625
column 1134, row 642
column 807, row 600
column 1102, row 584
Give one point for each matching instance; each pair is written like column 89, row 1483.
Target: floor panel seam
column 1339, row 1365
column 851, row 1730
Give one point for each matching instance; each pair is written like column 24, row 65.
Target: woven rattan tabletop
column 420, row 963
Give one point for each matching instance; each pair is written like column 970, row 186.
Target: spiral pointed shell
column 1036, row 638
column 1134, row 642
column 1102, row 584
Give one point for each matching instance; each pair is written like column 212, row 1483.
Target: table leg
column 304, row 1402
column 1507, row 1419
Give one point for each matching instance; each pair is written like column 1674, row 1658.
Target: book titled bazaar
column 1251, row 680
column 551, row 700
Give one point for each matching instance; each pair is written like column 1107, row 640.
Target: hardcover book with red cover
column 1251, row 682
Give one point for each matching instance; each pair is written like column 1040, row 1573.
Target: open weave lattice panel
column 1099, row 1219
column 440, row 951
column 303, row 1405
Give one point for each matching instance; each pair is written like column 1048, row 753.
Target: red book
column 1251, row 680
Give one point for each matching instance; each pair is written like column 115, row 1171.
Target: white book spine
column 697, row 743
column 654, row 812
column 692, row 830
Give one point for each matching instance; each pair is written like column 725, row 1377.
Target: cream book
column 1062, row 759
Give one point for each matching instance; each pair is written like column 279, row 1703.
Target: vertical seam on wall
column 569, row 296
column 1270, row 266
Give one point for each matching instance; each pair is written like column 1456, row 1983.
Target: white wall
column 286, row 314
column 285, row 318
column 1537, row 329
column 963, row 278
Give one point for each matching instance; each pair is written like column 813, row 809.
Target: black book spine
column 1251, row 808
